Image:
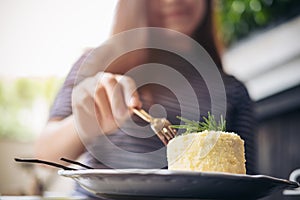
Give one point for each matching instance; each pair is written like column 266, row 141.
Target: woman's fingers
column 129, row 91
column 103, row 104
column 115, row 95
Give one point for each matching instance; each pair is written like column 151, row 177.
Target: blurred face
column 180, row 15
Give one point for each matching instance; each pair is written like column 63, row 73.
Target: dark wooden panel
column 278, row 138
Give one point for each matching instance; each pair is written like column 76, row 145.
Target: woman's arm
column 59, row 139
column 111, row 99
column 108, row 94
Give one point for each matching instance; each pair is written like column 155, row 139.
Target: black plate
column 176, row 184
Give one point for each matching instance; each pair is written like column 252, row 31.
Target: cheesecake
column 207, row 151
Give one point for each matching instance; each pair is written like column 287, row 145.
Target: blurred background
column 40, row 40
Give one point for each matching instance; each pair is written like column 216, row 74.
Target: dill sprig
column 209, row 123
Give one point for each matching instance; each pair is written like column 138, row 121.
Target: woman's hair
column 131, row 14
column 205, row 34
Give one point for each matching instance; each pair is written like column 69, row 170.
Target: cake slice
column 206, row 147
column 220, row 152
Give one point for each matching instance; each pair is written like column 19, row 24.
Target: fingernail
column 132, row 102
column 135, row 103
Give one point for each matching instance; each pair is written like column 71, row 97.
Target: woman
column 190, row 17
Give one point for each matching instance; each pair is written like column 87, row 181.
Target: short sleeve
column 62, row 105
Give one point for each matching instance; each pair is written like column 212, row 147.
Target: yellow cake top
column 207, row 151
column 206, row 139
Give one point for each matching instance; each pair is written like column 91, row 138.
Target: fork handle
column 142, row 114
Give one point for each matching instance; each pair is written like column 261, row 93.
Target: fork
column 161, row 126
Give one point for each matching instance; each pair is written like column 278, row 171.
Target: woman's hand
column 101, row 103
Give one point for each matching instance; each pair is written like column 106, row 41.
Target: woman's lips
column 176, row 14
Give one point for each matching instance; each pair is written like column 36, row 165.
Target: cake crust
column 207, row 151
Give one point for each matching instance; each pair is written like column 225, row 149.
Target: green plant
column 18, row 100
column 209, row 123
column 239, row 18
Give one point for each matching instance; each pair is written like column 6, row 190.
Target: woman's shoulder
column 232, row 82
column 70, row 78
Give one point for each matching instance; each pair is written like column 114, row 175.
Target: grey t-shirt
column 135, row 151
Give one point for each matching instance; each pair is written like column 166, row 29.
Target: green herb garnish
column 209, row 124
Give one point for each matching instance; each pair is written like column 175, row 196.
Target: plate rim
column 166, row 172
